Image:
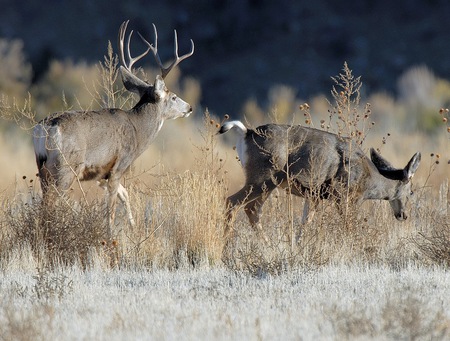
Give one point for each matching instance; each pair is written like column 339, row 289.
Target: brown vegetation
column 178, row 188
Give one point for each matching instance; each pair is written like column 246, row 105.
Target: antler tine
column 154, row 48
column 132, row 60
column 178, row 59
column 121, row 39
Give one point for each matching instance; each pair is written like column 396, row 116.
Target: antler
column 132, row 60
column 154, row 49
column 178, row 59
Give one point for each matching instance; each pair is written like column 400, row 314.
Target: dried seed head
column 217, row 125
column 444, row 119
column 226, row 117
column 441, row 111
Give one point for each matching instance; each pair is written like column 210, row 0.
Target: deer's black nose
column 401, row 216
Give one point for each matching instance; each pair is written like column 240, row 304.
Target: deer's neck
column 147, row 121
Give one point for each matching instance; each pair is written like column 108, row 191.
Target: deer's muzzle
column 401, row 216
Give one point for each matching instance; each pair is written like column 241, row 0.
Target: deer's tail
column 238, row 125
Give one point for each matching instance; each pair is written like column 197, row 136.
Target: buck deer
column 316, row 165
column 101, row 145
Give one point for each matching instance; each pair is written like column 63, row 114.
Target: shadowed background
column 244, row 47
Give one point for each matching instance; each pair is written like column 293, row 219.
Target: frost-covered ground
column 334, row 302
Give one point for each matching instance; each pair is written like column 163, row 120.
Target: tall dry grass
column 179, row 186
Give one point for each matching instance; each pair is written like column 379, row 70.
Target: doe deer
column 316, row 165
column 102, row 144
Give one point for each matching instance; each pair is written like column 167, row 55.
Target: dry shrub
column 436, row 246
column 64, row 232
column 332, row 237
column 180, row 216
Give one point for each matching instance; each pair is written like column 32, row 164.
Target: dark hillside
column 244, row 47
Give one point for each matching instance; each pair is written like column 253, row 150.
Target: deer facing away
column 101, row 145
column 316, row 165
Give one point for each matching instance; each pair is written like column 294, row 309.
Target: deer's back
column 311, row 156
column 90, row 136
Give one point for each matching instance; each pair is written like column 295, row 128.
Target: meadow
column 174, row 276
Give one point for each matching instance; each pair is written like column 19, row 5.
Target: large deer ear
column 160, row 88
column 132, row 83
column 412, row 166
column 380, row 162
column 385, row 168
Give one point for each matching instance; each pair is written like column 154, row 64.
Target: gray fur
column 317, row 164
column 101, row 145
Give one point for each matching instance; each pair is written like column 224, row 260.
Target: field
column 174, row 276
column 333, row 302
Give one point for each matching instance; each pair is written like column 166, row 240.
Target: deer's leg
column 307, row 216
column 113, row 187
column 55, row 182
column 123, row 196
column 308, row 213
column 233, row 202
column 253, row 210
column 252, row 197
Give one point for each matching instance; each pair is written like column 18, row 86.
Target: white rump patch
column 241, row 148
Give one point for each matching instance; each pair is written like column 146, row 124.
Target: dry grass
column 180, row 221
column 178, row 190
column 363, row 275
column 333, row 302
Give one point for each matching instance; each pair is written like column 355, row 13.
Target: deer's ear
column 412, row 166
column 132, row 83
column 380, row 162
column 160, row 88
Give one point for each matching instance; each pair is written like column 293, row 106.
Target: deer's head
column 402, row 192
column 157, row 93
